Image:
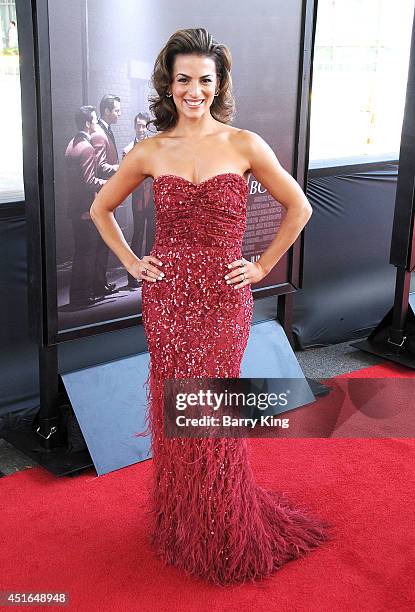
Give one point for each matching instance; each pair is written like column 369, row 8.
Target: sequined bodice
column 210, row 213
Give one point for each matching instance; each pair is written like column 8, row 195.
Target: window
column 11, row 158
column 360, row 73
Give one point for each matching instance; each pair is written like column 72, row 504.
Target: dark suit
column 142, row 203
column 81, row 186
column 106, row 155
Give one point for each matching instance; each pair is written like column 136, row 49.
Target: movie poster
column 102, row 56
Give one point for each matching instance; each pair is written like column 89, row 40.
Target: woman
column 210, row 518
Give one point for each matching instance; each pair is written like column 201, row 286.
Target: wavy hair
column 196, row 41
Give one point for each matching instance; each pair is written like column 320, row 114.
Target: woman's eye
column 183, row 80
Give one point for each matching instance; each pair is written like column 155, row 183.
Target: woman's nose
column 195, row 90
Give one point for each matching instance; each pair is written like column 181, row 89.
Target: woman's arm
column 132, row 171
column 283, row 188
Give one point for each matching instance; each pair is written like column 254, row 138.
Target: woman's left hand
column 243, row 272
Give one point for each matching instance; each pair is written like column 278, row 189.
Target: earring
column 216, row 94
column 169, row 95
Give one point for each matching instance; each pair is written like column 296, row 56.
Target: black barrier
column 394, row 336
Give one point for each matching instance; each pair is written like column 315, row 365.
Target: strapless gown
column 210, row 518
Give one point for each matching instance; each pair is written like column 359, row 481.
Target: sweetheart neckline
column 202, row 182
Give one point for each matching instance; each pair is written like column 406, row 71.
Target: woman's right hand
column 146, row 269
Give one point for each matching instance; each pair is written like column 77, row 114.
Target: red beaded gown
column 210, row 518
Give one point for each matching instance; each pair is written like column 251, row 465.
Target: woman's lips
column 190, row 105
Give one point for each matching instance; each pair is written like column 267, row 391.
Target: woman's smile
column 193, row 103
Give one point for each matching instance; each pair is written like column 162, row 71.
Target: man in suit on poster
column 81, row 186
column 103, row 141
column 141, row 201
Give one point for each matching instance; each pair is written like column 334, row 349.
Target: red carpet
column 375, row 402
column 88, row 536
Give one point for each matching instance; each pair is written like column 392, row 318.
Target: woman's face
column 194, row 80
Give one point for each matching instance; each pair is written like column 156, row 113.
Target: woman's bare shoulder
column 242, row 138
column 246, row 136
column 140, row 157
column 248, row 142
column 159, row 137
column 244, row 143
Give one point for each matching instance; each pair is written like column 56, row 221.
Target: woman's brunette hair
column 195, row 41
